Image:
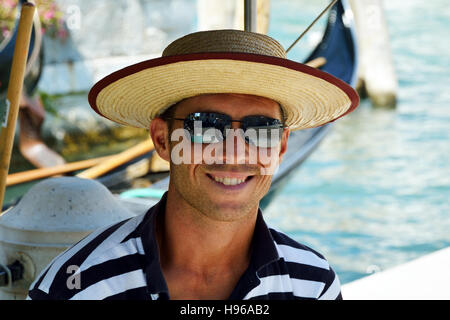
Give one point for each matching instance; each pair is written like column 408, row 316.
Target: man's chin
column 231, row 210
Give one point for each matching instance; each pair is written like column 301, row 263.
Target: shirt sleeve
column 36, row 294
column 332, row 289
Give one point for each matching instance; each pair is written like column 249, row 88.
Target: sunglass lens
column 210, row 127
column 263, row 137
column 262, row 131
column 206, row 127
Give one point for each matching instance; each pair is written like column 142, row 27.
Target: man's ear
column 283, row 144
column 159, row 131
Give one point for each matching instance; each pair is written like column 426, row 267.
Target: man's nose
column 236, row 149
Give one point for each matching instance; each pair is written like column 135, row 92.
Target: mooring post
column 377, row 75
column 250, row 16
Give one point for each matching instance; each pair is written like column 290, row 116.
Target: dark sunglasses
column 212, row 127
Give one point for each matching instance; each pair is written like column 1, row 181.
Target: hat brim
column 136, row 94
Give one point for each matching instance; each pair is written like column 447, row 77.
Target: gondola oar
column 317, row 62
column 8, row 116
column 30, row 175
column 117, row 160
column 100, row 165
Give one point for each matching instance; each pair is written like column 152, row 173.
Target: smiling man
column 231, row 184
column 219, row 106
column 211, row 209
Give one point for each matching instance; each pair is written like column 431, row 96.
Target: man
column 235, row 97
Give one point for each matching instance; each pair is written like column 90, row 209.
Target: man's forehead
column 234, row 103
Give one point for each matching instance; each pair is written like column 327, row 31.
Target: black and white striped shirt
column 121, row 262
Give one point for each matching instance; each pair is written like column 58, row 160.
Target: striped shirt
column 122, row 262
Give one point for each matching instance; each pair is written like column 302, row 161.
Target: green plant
column 50, row 16
column 52, row 19
column 7, row 17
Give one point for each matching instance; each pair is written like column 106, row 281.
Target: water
column 376, row 192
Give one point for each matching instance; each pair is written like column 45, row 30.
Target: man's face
column 231, row 190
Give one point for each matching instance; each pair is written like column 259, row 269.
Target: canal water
column 376, row 192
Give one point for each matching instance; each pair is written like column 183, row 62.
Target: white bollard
column 53, row 215
column 376, row 68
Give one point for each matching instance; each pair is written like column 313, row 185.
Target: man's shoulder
column 119, row 243
column 294, row 251
column 306, row 268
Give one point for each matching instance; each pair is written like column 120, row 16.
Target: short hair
column 168, row 115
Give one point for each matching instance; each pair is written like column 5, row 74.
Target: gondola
column 31, row 113
column 338, row 47
column 35, row 57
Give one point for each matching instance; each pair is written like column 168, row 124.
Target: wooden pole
column 111, row 162
column 30, row 175
column 117, row 160
column 8, row 117
column 250, row 15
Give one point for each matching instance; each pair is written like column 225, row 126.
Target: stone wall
column 105, row 35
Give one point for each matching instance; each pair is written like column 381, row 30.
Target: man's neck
column 202, row 249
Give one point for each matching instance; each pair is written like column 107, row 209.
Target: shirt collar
column 155, row 279
column 263, row 248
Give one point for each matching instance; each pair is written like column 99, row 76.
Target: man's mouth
column 229, row 180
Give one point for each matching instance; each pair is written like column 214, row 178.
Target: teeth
column 229, row 181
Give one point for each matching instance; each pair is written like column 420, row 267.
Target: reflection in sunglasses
column 207, row 147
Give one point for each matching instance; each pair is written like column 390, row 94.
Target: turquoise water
column 376, row 192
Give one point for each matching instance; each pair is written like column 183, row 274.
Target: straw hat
column 222, row 61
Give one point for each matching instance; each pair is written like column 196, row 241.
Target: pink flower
column 49, row 14
column 10, row 3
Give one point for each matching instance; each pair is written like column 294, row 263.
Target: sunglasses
column 212, row 127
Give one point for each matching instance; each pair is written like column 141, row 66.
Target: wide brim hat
column 222, row 61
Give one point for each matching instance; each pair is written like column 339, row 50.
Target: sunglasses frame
column 228, row 121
